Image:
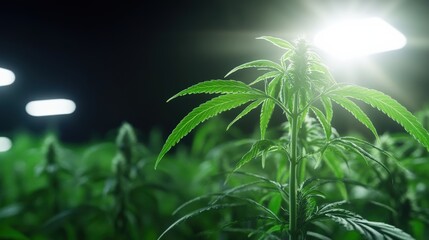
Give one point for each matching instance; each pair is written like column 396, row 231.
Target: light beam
column 361, row 37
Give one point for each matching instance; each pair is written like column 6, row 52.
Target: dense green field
column 51, row 190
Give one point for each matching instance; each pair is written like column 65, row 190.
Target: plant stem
column 293, row 233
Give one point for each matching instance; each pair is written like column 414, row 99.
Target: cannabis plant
column 299, row 85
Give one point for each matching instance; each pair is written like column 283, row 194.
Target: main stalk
column 293, row 228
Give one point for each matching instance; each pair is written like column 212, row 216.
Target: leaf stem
column 276, row 101
column 326, row 91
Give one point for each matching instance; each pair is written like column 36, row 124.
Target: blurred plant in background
column 87, row 203
column 105, row 189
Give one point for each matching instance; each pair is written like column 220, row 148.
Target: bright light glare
column 5, row 144
column 355, row 38
column 7, row 77
column 50, row 107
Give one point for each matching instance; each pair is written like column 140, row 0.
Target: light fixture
column 50, row 107
column 7, row 77
column 359, row 37
column 5, row 144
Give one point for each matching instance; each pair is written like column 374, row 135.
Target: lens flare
column 356, row 38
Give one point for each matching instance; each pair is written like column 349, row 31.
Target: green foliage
column 266, row 76
column 258, row 149
column 268, row 105
column 355, row 111
column 247, row 110
column 295, row 86
column 102, row 190
column 352, row 221
column 370, row 230
column 390, row 107
column 324, row 121
column 260, row 64
column 216, row 86
column 278, row 42
column 7, row 232
column 203, row 112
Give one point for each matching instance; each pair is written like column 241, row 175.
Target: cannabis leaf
column 203, row 112
column 323, row 121
column 266, row 76
column 245, row 111
column 356, row 111
column 352, row 221
column 261, row 64
column 278, row 42
column 216, row 86
column 390, row 107
column 268, row 106
column 257, row 149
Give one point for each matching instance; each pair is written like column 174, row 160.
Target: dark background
column 119, row 61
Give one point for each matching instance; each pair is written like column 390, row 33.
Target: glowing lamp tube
column 50, row 107
column 355, row 38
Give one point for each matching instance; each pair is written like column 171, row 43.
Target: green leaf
column 264, row 64
column 9, row 233
column 268, row 106
column 332, row 206
column 318, row 236
column 203, row 112
column 369, row 229
column 257, row 205
column 265, row 76
column 322, row 119
column 252, row 186
column 278, row 42
column 245, row 111
column 216, row 86
column 317, row 156
column 256, row 150
column 367, row 144
column 269, row 231
column 356, row 111
column 285, row 57
column 62, row 217
column 360, row 151
column 386, row 207
column 275, row 203
column 317, row 66
column 303, row 116
column 313, row 56
column 198, row 212
column 332, row 161
column 327, row 105
column 390, row 107
column 265, row 179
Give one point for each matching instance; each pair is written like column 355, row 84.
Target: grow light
column 50, row 107
column 7, row 77
column 355, row 38
column 5, row 144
